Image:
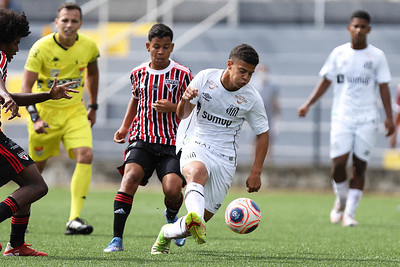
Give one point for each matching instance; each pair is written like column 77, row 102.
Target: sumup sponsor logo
column 216, row 119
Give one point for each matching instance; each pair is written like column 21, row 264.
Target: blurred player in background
column 16, row 165
column 214, row 107
column 356, row 70
column 151, row 120
column 69, row 56
column 269, row 92
column 395, row 140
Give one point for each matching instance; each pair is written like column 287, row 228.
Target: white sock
column 340, row 190
column 177, row 229
column 353, row 199
column 194, row 199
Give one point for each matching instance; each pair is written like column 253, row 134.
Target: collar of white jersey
column 158, row 72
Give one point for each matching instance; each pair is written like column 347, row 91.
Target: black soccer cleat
column 78, row 227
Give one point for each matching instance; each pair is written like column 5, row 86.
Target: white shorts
column 360, row 138
column 220, row 168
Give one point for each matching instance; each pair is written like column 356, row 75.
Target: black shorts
column 150, row 157
column 13, row 159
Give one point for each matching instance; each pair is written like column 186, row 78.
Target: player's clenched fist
column 190, row 93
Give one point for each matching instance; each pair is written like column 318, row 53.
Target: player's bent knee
column 131, row 180
column 39, row 190
column 84, row 155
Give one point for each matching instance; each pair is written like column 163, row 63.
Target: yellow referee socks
column 79, row 188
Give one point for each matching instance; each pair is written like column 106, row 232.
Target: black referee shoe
column 78, row 227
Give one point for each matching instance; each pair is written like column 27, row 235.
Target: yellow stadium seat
column 391, row 159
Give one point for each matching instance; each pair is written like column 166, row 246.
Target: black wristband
column 33, row 112
column 94, row 106
column 34, row 117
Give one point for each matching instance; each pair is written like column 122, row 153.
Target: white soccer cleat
column 349, row 221
column 337, row 212
column 336, row 216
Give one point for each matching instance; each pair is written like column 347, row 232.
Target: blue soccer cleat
column 181, row 241
column 115, row 245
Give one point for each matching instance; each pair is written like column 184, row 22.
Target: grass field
column 294, row 231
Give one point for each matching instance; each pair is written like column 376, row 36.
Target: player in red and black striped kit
column 15, row 163
column 150, row 119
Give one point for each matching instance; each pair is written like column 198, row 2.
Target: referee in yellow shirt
column 71, row 57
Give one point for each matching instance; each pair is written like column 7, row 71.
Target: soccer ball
column 242, row 215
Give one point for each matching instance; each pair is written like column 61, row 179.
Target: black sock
column 122, row 208
column 173, row 209
column 7, row 208
column 19, row 223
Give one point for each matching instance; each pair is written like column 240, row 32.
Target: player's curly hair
column 245, row 53
column 160, row 30
column 12, row 25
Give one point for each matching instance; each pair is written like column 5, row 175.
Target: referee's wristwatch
column 94, row 106
column 34, row 117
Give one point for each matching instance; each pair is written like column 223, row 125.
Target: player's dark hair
column 245, row 53
column 70, row 6
column 12, row 26
column 361, row 14
column 160, row 30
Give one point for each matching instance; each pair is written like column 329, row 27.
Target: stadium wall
column 250, row 11
column 59, row 171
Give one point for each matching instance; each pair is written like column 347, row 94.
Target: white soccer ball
column 242, row 215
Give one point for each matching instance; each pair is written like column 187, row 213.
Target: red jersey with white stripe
column 3, row 66
column 3, row 71
column 148, row 86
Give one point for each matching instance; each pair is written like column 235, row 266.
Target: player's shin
column 194, row 199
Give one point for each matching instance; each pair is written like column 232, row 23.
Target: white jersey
column 356, row 75
column 219, row 114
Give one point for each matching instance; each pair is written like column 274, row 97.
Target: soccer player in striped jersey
column 150, row 119
column 15, row 163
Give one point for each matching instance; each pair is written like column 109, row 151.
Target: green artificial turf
column 294, row 231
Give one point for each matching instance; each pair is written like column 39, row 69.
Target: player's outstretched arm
column 319, row 90
column 253, row 182
column 131, row 110
column 386, row 101
column 92, row 83
column 8, row 102
column 56, row 92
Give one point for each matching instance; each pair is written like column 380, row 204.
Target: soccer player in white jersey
column 213, row 109
column 357, row 70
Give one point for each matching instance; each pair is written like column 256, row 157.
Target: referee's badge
column 39, row 150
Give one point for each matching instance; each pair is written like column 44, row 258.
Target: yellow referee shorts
column 68, row 125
